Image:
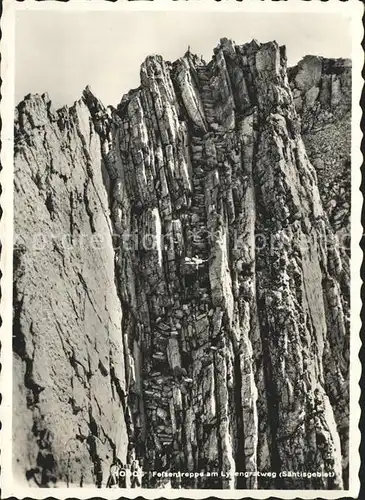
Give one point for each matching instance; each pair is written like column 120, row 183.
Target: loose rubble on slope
column 322, row 96
column 202, row 325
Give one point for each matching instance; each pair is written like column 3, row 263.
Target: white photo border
column 352, row 8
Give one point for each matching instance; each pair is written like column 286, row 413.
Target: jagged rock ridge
column 202, row 322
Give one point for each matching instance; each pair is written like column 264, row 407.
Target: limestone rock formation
column 185, row 304
column 69, row 381
column 322, row 96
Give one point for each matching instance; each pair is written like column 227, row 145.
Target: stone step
column 166, row 438
column 201, row 221
column 198, row 174
column 159, row 356
column 199, row 234
column 196, row 210
column 199, row 238
column 200, row 245
column 199, row 183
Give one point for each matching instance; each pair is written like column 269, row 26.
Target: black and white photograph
column 183, row 300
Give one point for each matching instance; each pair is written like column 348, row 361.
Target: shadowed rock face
column 187, row 304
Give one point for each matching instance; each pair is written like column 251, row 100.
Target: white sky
column 60, row 53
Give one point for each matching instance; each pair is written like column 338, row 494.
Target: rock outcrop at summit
column 322, row 96
column 201, row 325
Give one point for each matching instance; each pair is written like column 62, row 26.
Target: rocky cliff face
column 69, row 374
column 322, row 96
column 185, row 301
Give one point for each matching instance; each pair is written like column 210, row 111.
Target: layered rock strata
column 201, row 326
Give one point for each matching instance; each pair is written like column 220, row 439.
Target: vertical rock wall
column 69, row 374
column 224, row 285
column 322, row 96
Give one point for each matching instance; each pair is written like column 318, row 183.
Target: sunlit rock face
column 202, row 323
column 69, row 374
